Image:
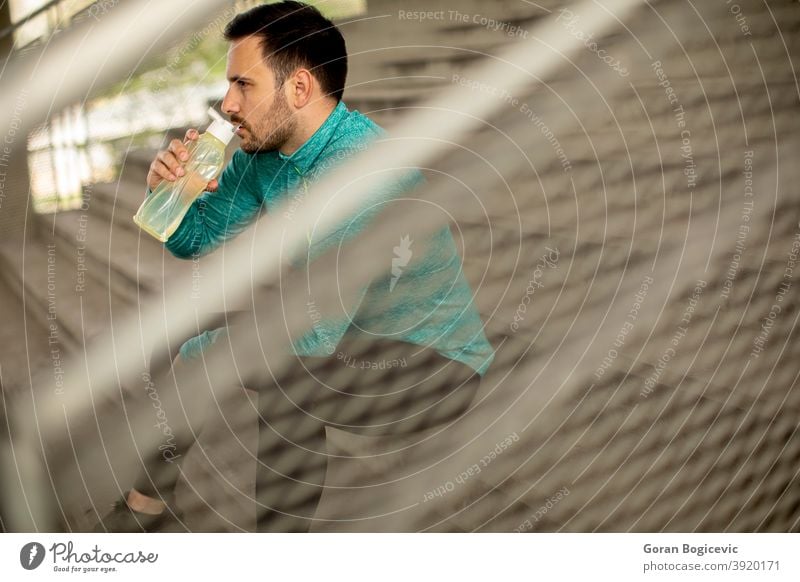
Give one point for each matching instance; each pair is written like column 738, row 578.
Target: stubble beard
column 272, row 131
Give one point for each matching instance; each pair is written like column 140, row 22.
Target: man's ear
column 301, row 88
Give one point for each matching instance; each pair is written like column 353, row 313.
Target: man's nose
column 229, row 104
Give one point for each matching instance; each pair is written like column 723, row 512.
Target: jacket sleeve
column 216, row 217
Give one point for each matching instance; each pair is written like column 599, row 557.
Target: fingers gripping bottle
column 161, row 213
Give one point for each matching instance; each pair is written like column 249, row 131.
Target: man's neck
column 308, row 126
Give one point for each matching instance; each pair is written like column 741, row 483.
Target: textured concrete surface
column 684, row 422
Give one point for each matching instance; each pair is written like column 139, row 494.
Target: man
column 287, row 66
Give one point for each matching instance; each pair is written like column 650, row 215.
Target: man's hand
column 169, row 163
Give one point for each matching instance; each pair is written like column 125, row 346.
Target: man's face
column 254, row 100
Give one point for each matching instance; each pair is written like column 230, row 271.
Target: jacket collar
column 304, row 157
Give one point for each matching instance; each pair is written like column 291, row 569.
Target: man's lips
column 239, row 126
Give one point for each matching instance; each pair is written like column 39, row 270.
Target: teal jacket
column 425, row 298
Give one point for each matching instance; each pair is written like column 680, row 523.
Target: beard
column 271, row 131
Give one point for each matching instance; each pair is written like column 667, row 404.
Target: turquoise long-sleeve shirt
column 424, row 299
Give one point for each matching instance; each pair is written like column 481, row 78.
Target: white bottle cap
column 222, row 130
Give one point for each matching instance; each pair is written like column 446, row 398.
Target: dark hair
column 295, row 35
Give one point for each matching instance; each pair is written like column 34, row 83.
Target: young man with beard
column 287, row 66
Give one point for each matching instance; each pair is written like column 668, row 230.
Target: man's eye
column 241, row 83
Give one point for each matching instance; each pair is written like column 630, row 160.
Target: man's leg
column 165, row 425
column 360, row 392
column 369, row 386
column 180, row 405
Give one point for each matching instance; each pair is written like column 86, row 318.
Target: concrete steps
column 129, row 261
column 23, row 337
column 438, row 48
column 115, row 202
column 59, row 289
column 395, row 63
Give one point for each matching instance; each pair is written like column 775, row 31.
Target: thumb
column 212, row 186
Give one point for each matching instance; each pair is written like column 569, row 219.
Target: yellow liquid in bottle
column 163, row 211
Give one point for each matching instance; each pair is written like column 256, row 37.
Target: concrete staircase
column 624, row 154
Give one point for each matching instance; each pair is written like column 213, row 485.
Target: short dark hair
column 295, row 35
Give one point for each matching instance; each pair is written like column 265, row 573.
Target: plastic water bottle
column 161, row 213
